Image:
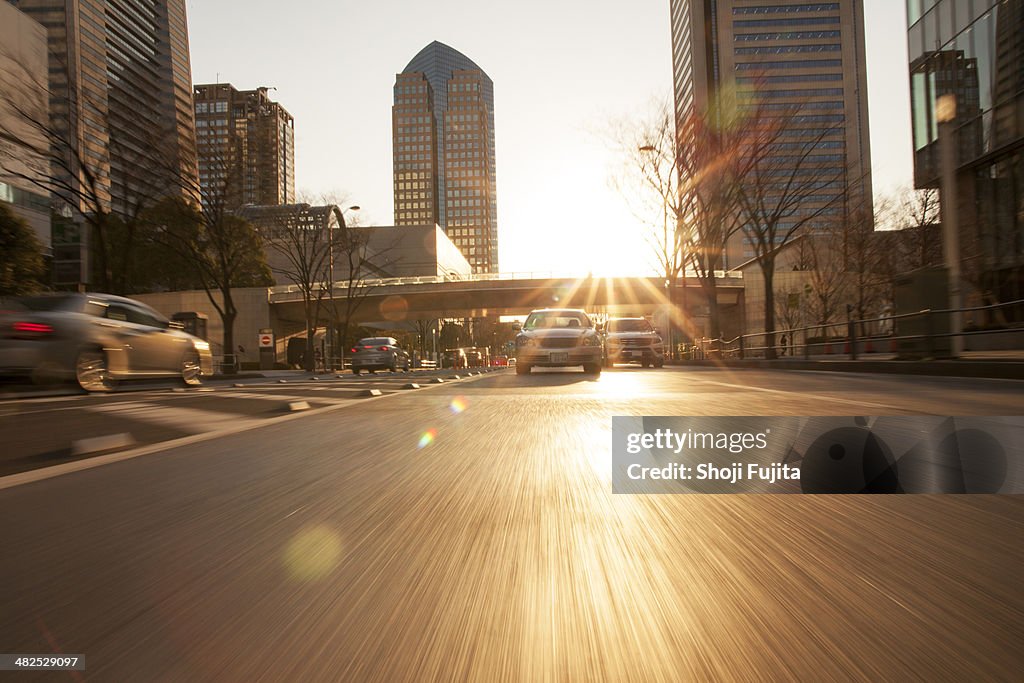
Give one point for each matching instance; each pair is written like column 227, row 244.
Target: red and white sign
column 266, row 341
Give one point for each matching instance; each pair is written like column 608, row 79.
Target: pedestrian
column 783, row 342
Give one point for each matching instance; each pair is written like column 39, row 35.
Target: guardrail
column 921, row 334
column 475, row 277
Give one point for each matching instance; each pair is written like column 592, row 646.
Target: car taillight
column 353, row 350
column 25, row 330
column 382, row 348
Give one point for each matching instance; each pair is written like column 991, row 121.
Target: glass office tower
column 974, row 50
column 443, row 147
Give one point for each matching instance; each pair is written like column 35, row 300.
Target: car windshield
column 375, row 341
column 542, row 320
column 637, row 325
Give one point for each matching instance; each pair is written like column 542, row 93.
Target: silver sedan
column 96, row 340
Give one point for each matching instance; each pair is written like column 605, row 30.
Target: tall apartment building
column 121, row 98
column 246, row 145
column 975, row 51
column 443, row 146
column 786, row 55
column 23, row 69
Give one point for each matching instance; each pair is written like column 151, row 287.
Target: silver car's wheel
column 92, row 373
column 191, row 370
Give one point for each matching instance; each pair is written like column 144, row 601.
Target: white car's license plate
column 627, row 354
column 560, row 358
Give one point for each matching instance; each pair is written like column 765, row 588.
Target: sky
column 564, row 72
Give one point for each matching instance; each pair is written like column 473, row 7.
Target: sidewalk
column 977, row 364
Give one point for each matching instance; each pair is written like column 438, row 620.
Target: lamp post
column 945, row 113
column 331, row 346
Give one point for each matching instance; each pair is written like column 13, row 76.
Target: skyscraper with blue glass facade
column 443, row 151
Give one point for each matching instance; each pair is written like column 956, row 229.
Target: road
column 467, row 531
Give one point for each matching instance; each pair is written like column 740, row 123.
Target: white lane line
column 801, row 395
column 280, row 398
column 184, row 419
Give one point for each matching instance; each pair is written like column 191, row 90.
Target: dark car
column 379, row 353
column 96, row 340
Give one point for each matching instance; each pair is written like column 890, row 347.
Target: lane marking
column 45, row 473
column 819, row 397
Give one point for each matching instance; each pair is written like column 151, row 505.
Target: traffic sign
column 266, row 341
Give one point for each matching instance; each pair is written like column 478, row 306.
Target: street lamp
column 669, row 261
column 331, row 350
column 945, row 113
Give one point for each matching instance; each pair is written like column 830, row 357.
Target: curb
column 979, row 369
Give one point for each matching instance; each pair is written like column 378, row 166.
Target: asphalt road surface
column 467, row 531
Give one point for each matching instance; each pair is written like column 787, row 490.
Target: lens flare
column 313, row 553
column 458, row 405
column 428, row 438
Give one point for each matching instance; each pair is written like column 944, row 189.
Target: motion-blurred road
column 467, row 531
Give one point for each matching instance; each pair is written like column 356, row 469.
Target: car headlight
column 201, row 345
column 523, row 341
column 592, row 340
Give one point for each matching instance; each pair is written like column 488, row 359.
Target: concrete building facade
column 246, row 146
column 444, row 151
column 804, row 60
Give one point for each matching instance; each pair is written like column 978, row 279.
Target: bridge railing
column 294, row 292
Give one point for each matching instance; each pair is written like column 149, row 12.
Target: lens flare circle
column 427, row 438
column 313, row 553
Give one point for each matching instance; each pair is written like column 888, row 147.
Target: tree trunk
column 709, row 285
column 228, row 320
column 768, row 268
column 309, row 361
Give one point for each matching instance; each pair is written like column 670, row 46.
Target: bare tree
column 360, row 264
column 711, row 168
column 786, row 186
column 299, row 239
column 650, row 184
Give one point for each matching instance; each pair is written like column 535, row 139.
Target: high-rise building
column 23, row 69
column 120, row 103
column 789, row 56
column 975, row 52
column 443, row 146
column 246, row 145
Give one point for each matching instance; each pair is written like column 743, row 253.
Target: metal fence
column 922, row 334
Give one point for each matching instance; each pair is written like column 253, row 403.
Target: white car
column 557, row 338
column 633, row 340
